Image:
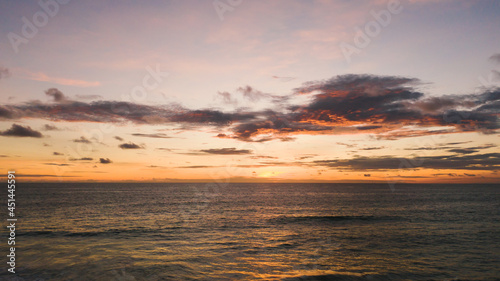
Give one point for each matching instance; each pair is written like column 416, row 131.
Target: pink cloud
column 40, row 76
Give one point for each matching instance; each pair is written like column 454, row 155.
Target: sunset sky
column 250, row 91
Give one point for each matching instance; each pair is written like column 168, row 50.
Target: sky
column 250, row 91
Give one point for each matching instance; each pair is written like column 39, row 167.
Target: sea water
column 234, row 231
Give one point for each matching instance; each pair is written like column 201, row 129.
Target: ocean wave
column 332, row 219
column 376, row 277
column 133, row 232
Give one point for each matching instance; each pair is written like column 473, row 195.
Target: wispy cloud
column 82, row 139
column 157, row 135
column 40, row 76
column 495, row 58
column 4, row 73
column 227, row 151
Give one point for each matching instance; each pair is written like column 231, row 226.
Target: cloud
column 57, row 164
column 158, row 135
column 463, row 150
column 82, row 140
column 386, row 107
column 227, row 151
column 4, row 73
column 20, row 131
column 105, row 161
column 81, row 159
column 372, row 148
column 251, row 94
column 58, row 153
column 495, row 58
column 48, row 127
column 40, row 76
column 165, row 149
column 307, row 156
column 130, row 145
column 209, row 117
column 470, row 150
column 56, row 94
column 346, row 144
column 118, row 138
column 88, row 97
column 487, row 161
column 283, row 79
column 227, row 99
column 262, row 157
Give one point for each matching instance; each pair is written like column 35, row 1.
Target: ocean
column 233, row 231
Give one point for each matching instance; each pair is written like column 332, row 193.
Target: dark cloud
column 57, row 164
column 210, row 117
column 20, row 131
column 470, row 150
column 361, row 83
column 355, row 98
column 130, row 145
column 58, row 153
column 227, row 151
column 4, row 73
column 81, row 159
column 275, row 125
column 163, row 148
column 367, row 175
column 488, row 161
column 463, row 150
column 372, row 148
column 49, row 127
column 105, row 161
column 82, row 140
column 368, row 127
column 158, row 135
column 118, row 138
column 429, row 148
column 443, row 174
column 57, row 95
column 383, row 106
